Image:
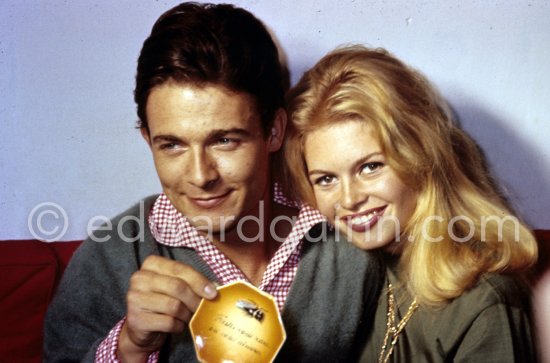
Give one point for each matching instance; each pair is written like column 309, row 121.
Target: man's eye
column 227, row 143
column 168, row 146
column 371, row 167
column 324, row 180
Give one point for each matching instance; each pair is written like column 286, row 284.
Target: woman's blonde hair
column 430, row 154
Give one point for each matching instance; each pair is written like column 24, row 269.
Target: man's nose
column 203, row 171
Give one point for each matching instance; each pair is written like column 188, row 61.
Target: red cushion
column 29, row 272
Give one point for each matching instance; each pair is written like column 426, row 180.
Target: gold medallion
column 242, row 324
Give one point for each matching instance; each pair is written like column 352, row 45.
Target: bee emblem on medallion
column 251, row 309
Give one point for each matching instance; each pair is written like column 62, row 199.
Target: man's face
column 210, row 153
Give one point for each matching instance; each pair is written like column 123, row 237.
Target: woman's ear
column 277, row 132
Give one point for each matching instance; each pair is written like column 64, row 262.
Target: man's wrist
column 127, row 351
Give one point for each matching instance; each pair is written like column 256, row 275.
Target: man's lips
column 208, row 201
column 361, row 222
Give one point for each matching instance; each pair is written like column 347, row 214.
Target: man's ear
column 145, row 135
column 277, row 132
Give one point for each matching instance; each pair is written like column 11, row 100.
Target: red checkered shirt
column 171, row 228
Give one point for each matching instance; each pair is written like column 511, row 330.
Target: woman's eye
column 371, row 167
column 324, row 180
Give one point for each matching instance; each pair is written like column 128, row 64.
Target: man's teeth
column 364, row 219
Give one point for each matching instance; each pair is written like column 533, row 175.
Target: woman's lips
column 362, row 222
column 208, row 202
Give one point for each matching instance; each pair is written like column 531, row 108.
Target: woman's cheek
column 326, row 205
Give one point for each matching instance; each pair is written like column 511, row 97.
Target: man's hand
column 162, row 297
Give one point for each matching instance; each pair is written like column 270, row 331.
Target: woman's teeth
column 364, row 219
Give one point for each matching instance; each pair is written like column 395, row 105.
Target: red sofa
column 29, row 274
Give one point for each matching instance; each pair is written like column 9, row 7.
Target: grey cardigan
column 327, row 314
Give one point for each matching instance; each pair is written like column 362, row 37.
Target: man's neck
column 252, row 246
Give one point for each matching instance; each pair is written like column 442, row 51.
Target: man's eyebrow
column 214, row 134
column 166, row 138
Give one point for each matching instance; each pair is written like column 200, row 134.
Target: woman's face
column 355, row 187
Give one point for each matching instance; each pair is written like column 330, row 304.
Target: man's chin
column 214, row 227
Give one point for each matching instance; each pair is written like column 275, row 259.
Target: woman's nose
column 351, row 195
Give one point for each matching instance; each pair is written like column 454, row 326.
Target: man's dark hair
column 204, row 44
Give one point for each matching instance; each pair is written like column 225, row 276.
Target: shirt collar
column 171, row 228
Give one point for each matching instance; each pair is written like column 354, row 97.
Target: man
column 209, row 93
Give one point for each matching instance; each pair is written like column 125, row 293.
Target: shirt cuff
column 106, row 352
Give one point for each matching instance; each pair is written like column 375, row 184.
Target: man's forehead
column 201, row 103
column 183, row 111
column 190, row 90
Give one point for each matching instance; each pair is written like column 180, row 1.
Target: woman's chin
column 372, row 241
column 361, row 241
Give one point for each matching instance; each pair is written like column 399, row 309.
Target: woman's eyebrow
column 356, row 164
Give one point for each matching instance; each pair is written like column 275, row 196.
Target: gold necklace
column 393, row 330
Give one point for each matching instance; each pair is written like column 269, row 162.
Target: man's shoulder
column 324, row 234
column 142, row 207
column 128, row 226
column 324, row 243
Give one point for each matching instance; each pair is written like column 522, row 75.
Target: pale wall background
column 66, row 81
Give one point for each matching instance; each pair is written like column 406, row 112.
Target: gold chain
column 392, row 330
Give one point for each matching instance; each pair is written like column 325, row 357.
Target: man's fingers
column 167, row 289
column 158, row 303
column 162, row 297
column 198, row 283
column 148, row 322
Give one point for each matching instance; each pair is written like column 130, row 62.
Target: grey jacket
column 327, row 314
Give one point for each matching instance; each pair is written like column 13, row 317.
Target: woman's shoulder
column 499, row 289
column 490, row 315
column 491, row 290
column 492, row 294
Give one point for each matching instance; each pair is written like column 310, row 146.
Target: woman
column 373, row 147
